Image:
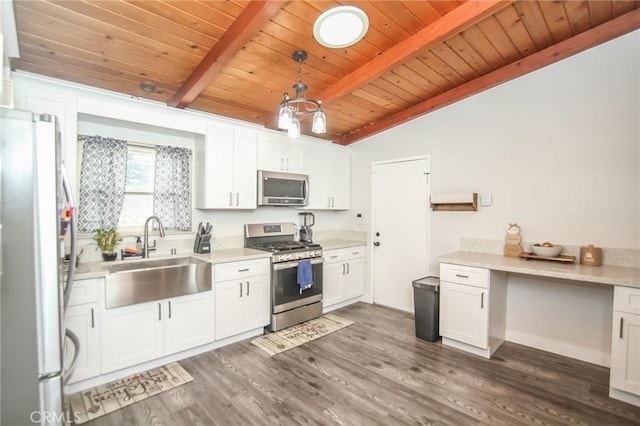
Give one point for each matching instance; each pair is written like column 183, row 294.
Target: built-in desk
column 473, row 307
column 609, row 275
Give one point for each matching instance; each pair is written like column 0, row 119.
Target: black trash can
column 426, row 302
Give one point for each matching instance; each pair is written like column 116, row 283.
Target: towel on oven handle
column 305, row 275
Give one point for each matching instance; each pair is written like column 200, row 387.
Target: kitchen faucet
column 145, row 250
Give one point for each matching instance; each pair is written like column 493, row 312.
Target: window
column 138, row 191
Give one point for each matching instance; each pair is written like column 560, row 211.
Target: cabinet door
column 292, row 155
column 82, row 320
column 132, row 335
column 353, row 284
column 277, row 153
column 189, row 322
column 256, row 302
column 245, row 169
column 218, row 182
column 338, row 175
column 332, row 276
column 315, row 161
column 464, row 313
column 625, row 352
column 228, row 308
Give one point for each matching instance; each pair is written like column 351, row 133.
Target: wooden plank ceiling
column 233, row 58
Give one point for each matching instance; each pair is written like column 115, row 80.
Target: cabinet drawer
column 469, row 275
column 235, row 270
column 626, row 299
column 85, row 291
column 340, row 255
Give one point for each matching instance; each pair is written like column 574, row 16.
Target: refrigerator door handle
column 76, row 352
column 73, row 237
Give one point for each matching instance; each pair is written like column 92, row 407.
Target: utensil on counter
column 202, row 243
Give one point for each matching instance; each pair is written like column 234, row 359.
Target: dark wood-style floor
column 377, row 372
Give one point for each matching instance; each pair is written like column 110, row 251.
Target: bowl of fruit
column 546, row 249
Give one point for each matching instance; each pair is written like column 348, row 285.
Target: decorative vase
column 108, row 257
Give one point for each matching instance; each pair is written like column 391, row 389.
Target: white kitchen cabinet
column 83, row 319
column 625, row 343
column 342, row 276
column 242, row 299
column 472, row 308
column 226, row 168
column 278, row 153
column 329, row 170
column 146, row 331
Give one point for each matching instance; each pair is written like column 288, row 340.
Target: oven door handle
column 294, row 264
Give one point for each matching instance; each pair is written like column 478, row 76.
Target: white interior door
column 400, row 217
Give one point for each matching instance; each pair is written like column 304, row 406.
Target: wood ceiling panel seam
column 454, row 61
column 445, row 6
column 385, row 85
column 481, row 44
column 193, row 22
column 511, row 22
column 88, row 52
column 468, row 54
column 144, row 18
column 535, row 24
column 423, row 88
column 401, row 16
column 434, row 62
column 99, row 39
column 429, row 73
column 578, row 14
column 424, row 11
column 499, row 39
column 599, row 12
column 619, row 8
column 556, row 19
column 401, row 83
column 37, row 50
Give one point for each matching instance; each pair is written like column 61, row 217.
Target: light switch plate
column 485, row 200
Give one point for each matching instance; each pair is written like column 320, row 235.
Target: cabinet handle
column 282, row 164
column 159, row 312
column 333, row 257
column 348, row 269
column 286, row 162
column 328, row 201
column 462, row 276
column 93, row 323
column 355, row 252
column 230, row 199
column 248, row 288
column 240, row 284
column 621, row 326
column 237, row 199
column 333, row 202
column 482, row 300
column 169, row 308
column 243, row 270
column 343, row 269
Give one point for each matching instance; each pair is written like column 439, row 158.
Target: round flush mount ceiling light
column 341, row 26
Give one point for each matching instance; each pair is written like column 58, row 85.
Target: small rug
column 95, row 402
column 296, row 335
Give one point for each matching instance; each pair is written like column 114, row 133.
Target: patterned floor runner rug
column 95, row 402
column 285, row 339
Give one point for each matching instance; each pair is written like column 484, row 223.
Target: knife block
column 202, row 244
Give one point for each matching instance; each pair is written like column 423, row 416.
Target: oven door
column 285, row 291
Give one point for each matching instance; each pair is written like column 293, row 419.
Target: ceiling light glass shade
column 285, row 116
column 319, row 122
column 294, row 128
column 341, row 26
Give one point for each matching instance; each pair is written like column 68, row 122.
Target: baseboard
column 624, row 396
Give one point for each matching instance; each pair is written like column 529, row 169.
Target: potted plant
column 107, row 240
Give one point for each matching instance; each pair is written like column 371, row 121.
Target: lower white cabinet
column 472, row 308
column 625, row 341
column 146, row 331
column 342, row 275
column 82, row 317
column 242, row 300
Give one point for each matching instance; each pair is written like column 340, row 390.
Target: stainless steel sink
column 141, row 281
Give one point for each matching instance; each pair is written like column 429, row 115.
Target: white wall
column 558, row 148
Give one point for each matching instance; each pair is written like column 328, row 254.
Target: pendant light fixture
column 300, row 105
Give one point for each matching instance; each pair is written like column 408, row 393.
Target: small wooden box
column 590, row 255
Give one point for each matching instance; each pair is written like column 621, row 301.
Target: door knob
column 377, row 244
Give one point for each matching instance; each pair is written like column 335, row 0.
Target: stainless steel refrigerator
column 36, row 218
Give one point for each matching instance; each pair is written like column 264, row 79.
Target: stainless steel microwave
column 282, row 189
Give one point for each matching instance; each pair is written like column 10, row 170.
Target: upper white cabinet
column 329, row 170
column 226, row 170
column 625, row 343
column 278, row 153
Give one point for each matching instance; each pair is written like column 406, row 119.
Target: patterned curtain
column 172, row 190
column 102, row 182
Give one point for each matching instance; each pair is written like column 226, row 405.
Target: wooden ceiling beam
column 602, row 33
column 450, row 24
column 243, row 29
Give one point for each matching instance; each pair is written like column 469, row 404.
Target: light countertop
column 334, row 244
column 611, row 275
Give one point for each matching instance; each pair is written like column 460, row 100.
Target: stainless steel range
column 290, row 304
